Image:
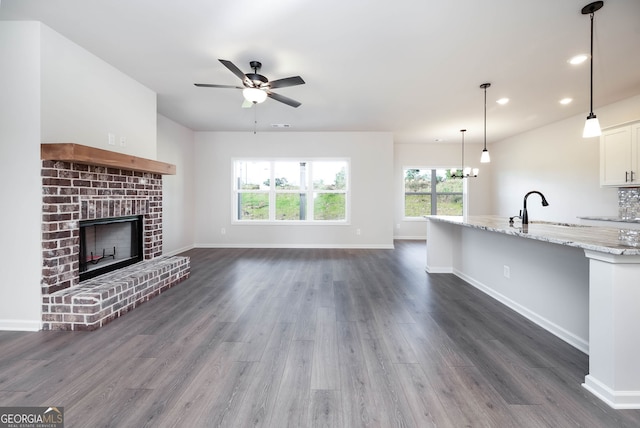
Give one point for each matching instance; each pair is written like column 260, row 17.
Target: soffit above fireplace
column 71, row 152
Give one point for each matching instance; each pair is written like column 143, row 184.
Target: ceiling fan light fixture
column 256, row 88
column 254, row 95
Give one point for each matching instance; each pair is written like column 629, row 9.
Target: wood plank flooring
column 308, row 338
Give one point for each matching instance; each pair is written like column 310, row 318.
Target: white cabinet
column 620, row 156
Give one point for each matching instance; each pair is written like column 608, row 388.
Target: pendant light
column 485, row 158
column 464, row 172
column 591, row 126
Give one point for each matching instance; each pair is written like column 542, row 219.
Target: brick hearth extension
column 97, row 301
column 84, row 183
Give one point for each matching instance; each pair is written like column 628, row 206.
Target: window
column 429, row 191
column 291, row 190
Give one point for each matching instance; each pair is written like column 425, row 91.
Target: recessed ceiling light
column 502, row 101
column 566, row 101
column 578, row 59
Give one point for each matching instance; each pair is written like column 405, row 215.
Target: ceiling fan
column 256, row 88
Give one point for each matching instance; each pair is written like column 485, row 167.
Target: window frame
column 434, row 194
column 309, row 190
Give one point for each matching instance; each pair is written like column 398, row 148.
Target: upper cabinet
column 620, row 156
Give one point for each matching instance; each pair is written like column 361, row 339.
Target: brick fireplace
column 79, row 184
column 73, row 192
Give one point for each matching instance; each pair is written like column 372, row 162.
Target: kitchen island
column 582, row 283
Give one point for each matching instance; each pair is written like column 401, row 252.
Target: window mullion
column 309, row 191
column 434, row 195
column 302, row 192
column 272, row 191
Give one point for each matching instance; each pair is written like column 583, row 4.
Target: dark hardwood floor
column 306, row 338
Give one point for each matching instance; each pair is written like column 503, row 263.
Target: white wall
column 84, row 99
column 371, row 155
column 21, row 190
column 176, row 145
column 557, row 161
column 438, row 156
column 52, row 90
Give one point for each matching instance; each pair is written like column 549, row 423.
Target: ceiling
column 410, row 67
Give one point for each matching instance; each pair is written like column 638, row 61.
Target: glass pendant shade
column 254, row 95
column 485, row 158
column 591, row 127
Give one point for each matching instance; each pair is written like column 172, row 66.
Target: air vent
column 280, row 125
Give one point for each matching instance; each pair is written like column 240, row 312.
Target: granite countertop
column 611, row 218
column 603, row 239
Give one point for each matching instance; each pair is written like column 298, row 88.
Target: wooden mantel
column 71, row 152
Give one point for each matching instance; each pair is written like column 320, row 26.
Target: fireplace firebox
column 108, row 244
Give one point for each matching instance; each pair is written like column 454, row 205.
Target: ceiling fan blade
column 247, row 104
column 288, row 81
column 235, row 70
column 283, row 99
column 208, row 85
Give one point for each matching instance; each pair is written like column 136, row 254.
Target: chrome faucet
column 525, row 215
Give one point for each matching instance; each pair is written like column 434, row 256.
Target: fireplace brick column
column 72, row 192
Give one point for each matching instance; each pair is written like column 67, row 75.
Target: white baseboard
column 337, row 246
column 178, row 251
column 436, row 269
column 411, row 237
column 615, row 399
column 20, row 325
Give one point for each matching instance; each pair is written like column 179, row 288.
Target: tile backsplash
column 629, row 202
